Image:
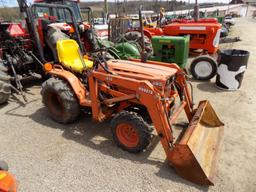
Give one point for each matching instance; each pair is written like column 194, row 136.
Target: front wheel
column 203, row 68
column 131, row 132
column 60, row 100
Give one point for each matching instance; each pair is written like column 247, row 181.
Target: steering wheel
column 99, row 57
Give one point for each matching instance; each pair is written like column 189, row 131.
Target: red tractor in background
column 83, row 17
column 201, row 20
column 204, row 36
column 61, row 19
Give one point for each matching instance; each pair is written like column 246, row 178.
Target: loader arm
column 147, row 95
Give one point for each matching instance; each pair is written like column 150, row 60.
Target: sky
column 14, row 2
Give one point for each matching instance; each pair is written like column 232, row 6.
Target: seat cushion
column 69, row 55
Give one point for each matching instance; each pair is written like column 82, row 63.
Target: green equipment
column 127, row 50
column 220, row 19
column 170, row 49
column 122, row 50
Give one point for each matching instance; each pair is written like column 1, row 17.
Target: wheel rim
column 55, row 104
column 127, row 135
column 203, row 69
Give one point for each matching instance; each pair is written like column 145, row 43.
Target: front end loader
column 137, row 96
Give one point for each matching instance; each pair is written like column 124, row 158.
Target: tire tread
column 143, row 129
column 70, row 102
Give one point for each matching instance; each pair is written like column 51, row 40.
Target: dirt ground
column 46, row 156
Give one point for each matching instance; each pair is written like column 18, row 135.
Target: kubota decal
column 109, row 78
column 144, row 90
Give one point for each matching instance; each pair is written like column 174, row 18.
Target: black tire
column 143, row 130
column 224, row 32
column 136, row 36
column 60, row 100
column 207, row 61
column 4, row 166
column 53, row 35
column 5, row 88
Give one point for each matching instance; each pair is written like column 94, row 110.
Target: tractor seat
column 70, row 56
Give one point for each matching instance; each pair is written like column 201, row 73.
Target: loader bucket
column 195, row 153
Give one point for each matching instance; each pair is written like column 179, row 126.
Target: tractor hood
column 156, row 74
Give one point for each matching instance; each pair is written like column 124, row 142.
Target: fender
column 73, row 81
column 113, row 52
column 148, row 33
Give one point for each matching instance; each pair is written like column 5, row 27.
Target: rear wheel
column 131, row 132
column 5, row 88
column 203, row 68
column 60, row 100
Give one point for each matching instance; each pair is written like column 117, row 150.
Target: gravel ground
column 47, row 156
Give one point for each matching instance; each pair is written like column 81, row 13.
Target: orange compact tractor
column 7, row 181
column 137, row 96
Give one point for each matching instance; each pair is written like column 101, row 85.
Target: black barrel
column 232, row 64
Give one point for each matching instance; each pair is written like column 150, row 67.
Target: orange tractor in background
column 204, row 41
column 137, row 97
column 204, row 37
